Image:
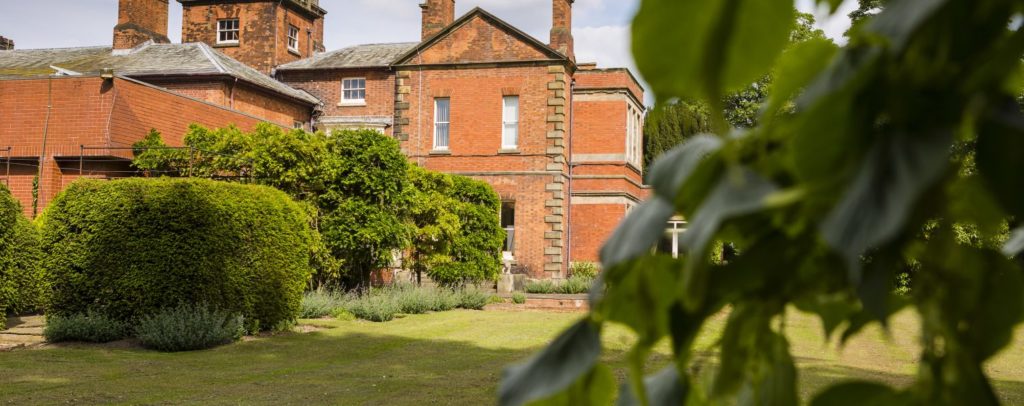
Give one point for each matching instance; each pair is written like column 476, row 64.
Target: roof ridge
column 208, row 53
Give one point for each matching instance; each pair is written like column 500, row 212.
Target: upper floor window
column 510, row 122
column 227, row 31
column 353, row 90
column 442, row 125
column 293, row 38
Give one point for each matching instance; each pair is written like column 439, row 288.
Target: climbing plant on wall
column 826, row 204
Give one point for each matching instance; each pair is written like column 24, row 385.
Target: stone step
column 16, row 339
column 25, row 331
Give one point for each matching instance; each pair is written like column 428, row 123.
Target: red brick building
column 561, row 142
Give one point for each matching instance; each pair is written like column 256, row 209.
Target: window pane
column 441, row 138
column 361, row 94
column 510, row 136
column 443, row 112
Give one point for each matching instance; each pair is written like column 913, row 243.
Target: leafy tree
column 671, row 123
column 457, row 236
column 827, row 204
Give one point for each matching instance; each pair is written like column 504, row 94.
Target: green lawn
column 443, row 358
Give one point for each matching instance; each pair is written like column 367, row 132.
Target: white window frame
column 354, row 81
column 222, row 29
column 438, row 123
column 293, row 38
column 510, row 139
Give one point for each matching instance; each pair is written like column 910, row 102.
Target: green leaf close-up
column 865, row 181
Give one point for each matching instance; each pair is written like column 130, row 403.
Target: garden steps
column 24, row 331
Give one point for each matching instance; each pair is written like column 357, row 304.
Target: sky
column 600, row 27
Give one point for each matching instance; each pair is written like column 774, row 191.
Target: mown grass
column 437, row 358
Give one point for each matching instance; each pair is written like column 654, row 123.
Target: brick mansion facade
column 560, row 141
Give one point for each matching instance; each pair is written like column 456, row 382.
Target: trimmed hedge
column 21, row 280
column 131, row 248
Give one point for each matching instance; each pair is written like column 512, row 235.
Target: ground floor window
column 508, row 222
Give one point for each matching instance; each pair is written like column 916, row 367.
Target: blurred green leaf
column 663, row 388
column 716, row 44
column 890, row 182
column 670, row 172
column 857, row 394
column 569, row 357
column 638, row 233
column 596, row 388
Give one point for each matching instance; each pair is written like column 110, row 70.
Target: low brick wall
column 557, row 303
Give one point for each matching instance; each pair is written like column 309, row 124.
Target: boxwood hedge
column 133, row 247
column 21, row 281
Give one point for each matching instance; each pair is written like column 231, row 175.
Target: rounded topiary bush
column 21, row 281
column 131, row 248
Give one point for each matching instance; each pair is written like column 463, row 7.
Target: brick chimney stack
column 561, row 28
column 437, row 15
column 6, row 44
column 139, row 21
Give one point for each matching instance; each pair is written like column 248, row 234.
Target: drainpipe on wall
column 568, row 210
column 42, row 149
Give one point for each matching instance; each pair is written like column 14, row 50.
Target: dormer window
column 293, row 38
column 227, row 31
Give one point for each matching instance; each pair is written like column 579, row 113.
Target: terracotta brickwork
column 103, row 115
column 437, row 15
column 326, row 86
column 479, row 40
column 263, row 30
column 139, row 21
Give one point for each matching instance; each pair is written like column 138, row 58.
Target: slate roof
column 193, row 59
column 359, row 56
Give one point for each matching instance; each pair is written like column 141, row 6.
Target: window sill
column 441, row 152
column 352, row 104
column 294, row 52
column 509, row 151
column 227, row 45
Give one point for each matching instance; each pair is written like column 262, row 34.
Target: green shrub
column 321, row 303
column 545, row 286
column 583, row 269
column 343, row 315
column 133, row 247
column 473, row 299
column 518, row 298
column 575, row 285
column 375, row 307
column 189, row 327
column 22, row 285
column 445, row 300
column 89, row 327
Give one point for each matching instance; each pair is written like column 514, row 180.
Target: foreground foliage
column 826, row 205
column 133, row 247
column 22, row 285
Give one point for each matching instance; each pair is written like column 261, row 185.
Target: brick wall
column 593, row 224
column 92, row 112
column 326, row 85
column 263, row 31
column 479, row 41
column 242, row 97
column 139, row 21
column 533, row 176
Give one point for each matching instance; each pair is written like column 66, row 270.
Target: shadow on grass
column 330, row 366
